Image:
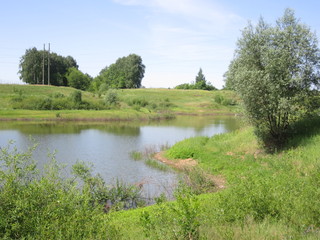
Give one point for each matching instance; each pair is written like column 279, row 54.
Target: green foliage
column 44, row 104
column 224, row 101
column 274, row 70
column 189, row 148
column 136, row 155
column 31, row 67
column 126, row 72
column 200, row 83
column 200, row 77
column 157, row 165
column 77, row 79
column 44, row 205
column 198, row 181
column 76, row 97
column 140, row 102
column 159, row 224
column 112, row 97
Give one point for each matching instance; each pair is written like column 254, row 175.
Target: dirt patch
column 181, row 164
column 178, row 163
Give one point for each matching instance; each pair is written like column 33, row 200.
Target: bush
column 61, row 104
column 44, row 104
column 76, row 97
column 138, row 102
column 175, row 221
column 111, row 97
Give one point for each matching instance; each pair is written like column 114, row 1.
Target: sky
column 175, row 38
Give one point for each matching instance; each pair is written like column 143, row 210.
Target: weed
column 157, row 165
column 136, row 155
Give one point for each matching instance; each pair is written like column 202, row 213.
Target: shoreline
column 183, row 164
column 111, row 119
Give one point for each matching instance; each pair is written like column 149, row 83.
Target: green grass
column 268, row 196
column 157, row 165
column 133, row 103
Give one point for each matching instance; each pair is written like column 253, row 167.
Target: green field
column 22, row 102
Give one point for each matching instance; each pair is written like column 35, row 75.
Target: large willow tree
column 276, row 71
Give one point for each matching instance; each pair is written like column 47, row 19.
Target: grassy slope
column 181, row 101
column 267, row 196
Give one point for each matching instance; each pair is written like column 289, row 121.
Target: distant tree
column 200, row 83
column 200, row 77
column 126, row 72
column 274, row 70
column 31, row 67
column 97, row 82
column 77, row 79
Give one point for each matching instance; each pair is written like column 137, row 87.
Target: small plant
column 179, row 220
column 157, row 165
column 136, row 155
column 19, row 95
column 111, row 97
column 76, row 97
column 45, row 104
column 218, row 98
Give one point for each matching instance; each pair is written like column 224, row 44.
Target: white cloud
column 184, row 35
column 201, row 9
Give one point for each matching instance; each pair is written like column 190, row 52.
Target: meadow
column 58, row 103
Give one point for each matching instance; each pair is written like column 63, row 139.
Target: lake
column 107, row 145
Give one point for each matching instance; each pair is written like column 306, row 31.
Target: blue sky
column 174, row 37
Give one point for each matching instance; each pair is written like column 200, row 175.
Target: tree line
column 42, row 67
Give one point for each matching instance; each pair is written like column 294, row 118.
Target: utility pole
column 43, row 55
column 49, row 65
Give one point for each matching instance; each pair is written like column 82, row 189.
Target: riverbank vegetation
column 64, row 103
column 265, row 196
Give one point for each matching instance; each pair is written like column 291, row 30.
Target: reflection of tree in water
column 72, row 128
column 201, row 123
column 121, row 128
column 229, row 124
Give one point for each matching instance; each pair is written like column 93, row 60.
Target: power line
column 44, row 50
column 49, row 65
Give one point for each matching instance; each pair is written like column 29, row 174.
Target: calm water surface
column 108, row 145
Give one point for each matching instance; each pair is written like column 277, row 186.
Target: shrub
column 139, row 102
column 44, row 104
column 61, row 104
column 111, row 97
column 76, row 97
column 179, row 220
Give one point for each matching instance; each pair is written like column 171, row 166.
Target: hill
column 34, row 101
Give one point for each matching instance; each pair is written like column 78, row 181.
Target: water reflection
column 108, row 144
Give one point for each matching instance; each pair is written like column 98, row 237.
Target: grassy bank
column 267, row 196
column 23, row 102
